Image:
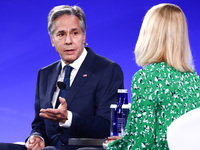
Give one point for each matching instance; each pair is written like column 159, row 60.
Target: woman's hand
column 111, row 139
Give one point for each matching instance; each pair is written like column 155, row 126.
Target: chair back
column 184, row 132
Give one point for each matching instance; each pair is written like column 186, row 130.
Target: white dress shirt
column 75, row 65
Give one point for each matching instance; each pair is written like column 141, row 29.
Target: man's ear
column 84, row 38
column 52, row 41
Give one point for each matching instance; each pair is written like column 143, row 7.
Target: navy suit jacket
column 89, row 97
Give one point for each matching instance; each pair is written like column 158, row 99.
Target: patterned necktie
column 66, row 81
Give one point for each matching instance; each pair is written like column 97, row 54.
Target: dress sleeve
column 141, row 123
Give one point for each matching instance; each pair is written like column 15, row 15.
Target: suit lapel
column 82, row 76
column 51, row 82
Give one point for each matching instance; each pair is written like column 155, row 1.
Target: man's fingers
column 62, row 101
column 42, row 144
column 50, row 111
column 53, row 117
column 36, row 147
column 31, row 140
column 35, row 143
column 31, row 143
column 48, row 116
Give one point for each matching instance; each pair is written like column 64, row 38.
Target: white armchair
column 184, row 132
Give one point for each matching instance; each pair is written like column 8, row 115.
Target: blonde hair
column 164, row 37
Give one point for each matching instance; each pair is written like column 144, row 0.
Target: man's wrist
column 67, row 123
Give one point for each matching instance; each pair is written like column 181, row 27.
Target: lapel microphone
column 61, row 85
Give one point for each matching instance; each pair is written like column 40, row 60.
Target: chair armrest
column 86, row 141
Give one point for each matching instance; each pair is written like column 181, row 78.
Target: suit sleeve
column 38, row 125
column 106, row 94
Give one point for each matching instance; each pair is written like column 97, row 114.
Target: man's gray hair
column 61, row 10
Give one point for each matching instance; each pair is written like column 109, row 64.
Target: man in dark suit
column 94, row 81
column 84, row 111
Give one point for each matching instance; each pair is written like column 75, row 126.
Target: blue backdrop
column 113, row 28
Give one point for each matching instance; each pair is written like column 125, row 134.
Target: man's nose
column 68, row 39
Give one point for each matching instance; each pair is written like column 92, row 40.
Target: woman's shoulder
column 151, row 69
column 164, row 71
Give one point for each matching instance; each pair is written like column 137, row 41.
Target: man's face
column 68, row 38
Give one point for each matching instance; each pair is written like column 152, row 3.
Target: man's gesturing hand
column 58, row 115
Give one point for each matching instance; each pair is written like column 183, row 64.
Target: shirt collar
column 77, row 63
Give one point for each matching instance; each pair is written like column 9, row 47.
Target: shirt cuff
column 68, row 122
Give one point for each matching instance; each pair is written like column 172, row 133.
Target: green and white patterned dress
column 160, row 94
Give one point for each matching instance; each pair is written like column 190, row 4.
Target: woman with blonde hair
column 167, row 86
